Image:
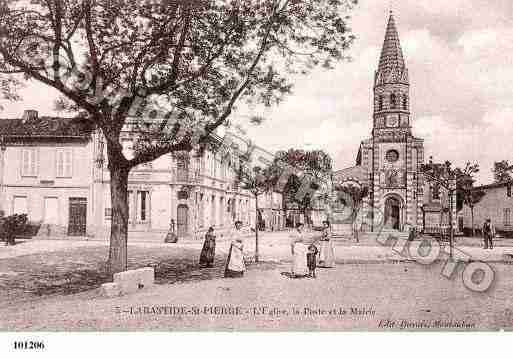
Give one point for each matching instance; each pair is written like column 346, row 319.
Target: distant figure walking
column 299, row 252
column 326, row 254
column 235, row 266
column 488, row 234
column 209, row 249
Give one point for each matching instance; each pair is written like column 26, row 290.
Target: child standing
column 311, row 258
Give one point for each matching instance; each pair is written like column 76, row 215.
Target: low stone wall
column 130, row 281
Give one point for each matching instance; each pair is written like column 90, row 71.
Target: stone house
column 56, row 171
column 496, row 204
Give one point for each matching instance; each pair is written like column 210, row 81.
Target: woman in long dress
column 326, row 253
column 209, row 249
column 299, row 252
column 235, row 266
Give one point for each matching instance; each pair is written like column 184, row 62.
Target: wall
column 46, row 184
column 492, row 206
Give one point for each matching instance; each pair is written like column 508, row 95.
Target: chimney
column 29, row 115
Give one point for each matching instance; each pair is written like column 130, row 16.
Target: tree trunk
column 354, row 225
column 307, row 220
column 256, row 230
column 119, row 224
column 472, row 221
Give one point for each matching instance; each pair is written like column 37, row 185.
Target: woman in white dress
column 235, row 265
column 299, row 251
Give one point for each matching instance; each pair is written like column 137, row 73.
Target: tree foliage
column 11, row 226
column 466, row 194
column 463, row 180
column 502, row 171
column 175, row 68
column 308, row 167
column 356, row 194
column 194, row 59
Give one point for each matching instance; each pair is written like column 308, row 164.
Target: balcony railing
column 181, row 175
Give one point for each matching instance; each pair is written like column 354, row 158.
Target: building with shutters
column 46, row 169
column 55, row 170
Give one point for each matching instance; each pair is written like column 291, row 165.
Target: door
column 392, row 213
column 77, row 216
column 51, row 214
column 182, row 220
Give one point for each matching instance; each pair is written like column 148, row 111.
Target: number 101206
column 29, row 345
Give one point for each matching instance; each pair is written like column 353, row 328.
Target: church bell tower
column 395, row 155
column 391, row 85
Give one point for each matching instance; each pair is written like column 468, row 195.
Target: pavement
column 349, row 297
column 53, row 285
column 275, row 246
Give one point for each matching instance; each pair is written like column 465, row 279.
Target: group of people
column 305, row 254
column 235, row 266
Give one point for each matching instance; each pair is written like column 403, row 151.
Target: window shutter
column 33, row 162
column 68, row 163
column 25, row 162
column 60, row 163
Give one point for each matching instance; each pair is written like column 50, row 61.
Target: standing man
column 488, row 234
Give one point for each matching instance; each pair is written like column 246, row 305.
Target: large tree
column 183, row 64
column 466, row 192
column 307, row 171
column 356, row 194
column 258, row 181
column 502, row 171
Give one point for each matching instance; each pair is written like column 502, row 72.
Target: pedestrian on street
column 299, row 251
column 235, row 266
column 488, row 234
column 311, row 259
column 209, row 249
column 327, row 253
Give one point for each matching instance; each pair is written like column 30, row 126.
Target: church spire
column 391, row 84
column 391, row 62
column 391, row 53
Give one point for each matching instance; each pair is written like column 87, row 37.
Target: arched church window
column 393, row 100
column 405, row 103
column 380, row 103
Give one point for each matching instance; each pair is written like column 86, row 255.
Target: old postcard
column 263, row 165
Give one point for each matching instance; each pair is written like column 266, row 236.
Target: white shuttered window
column 29, row 162
column 64, row 162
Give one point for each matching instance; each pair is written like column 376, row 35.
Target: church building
column 389, row 162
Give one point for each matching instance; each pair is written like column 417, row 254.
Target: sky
column 460, row 59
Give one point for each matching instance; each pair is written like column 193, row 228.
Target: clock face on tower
column 392, row 120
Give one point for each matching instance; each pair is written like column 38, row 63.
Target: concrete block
column 134, row 280
column 110, row 290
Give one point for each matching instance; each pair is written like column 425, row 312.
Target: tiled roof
column 44, row 128
column 391, row 53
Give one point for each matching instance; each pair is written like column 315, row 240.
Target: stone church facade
column 389, row 162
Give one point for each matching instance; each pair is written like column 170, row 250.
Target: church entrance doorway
column 393, row 213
